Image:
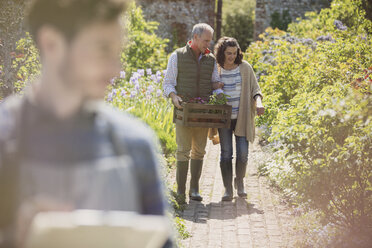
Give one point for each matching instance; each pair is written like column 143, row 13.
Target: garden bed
column 204, row 115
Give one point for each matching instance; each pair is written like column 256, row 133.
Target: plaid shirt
column 82, row 145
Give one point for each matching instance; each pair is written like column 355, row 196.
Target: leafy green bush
column 143, row 49
column 280, row 20
column 326, row 139
column 26, row 62
column 317, row 86
column 238, row 21
column 240, row 26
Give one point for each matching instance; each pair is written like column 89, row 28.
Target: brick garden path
column 262, row 220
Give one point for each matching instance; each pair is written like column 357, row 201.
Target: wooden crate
column 204, row 115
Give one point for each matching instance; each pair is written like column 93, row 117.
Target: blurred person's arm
column 146, row 155
column 147, row 166
column 7, row 214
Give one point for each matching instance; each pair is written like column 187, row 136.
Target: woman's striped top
column 233, row 84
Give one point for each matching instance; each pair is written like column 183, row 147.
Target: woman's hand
column 259, row 107
column 260, row 110
column 218, row 85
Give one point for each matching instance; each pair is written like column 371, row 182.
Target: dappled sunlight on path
column 261, row 220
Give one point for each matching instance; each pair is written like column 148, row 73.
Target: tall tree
column 11, row 30
column 219, row 19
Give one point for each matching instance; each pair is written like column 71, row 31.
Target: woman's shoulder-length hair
column 222, row 44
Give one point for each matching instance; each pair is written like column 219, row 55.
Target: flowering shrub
column 317, row 85
column 141, row 96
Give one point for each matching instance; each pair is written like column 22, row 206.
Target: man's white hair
column 199, row 28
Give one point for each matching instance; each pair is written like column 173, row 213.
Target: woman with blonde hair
column 240, row 84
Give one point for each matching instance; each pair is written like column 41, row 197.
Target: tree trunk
column 219, row 19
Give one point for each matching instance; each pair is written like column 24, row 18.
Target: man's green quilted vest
column 194, row 78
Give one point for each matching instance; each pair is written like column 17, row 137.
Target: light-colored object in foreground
column 97, row 229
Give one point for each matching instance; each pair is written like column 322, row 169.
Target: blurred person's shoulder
column 10, row 109
column 127, row 127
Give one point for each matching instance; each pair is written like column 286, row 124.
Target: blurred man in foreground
column 61, row 148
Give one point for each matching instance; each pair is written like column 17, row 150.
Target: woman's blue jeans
column 227, row 145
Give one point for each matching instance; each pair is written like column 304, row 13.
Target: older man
column 191, row 71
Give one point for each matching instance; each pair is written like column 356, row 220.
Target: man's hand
column 259, row 107
column 176, row 100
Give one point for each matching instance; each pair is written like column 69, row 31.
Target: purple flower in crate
column 122, row 74
column 339, row 25
column 158, row 93
column 141, row 72
column 148, row 71
column 133, row 94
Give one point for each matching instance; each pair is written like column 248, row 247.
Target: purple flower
column 158, row 93
column 325, row 38
column 339, row 25
column 154, row 78
column 363, row 37
column 133, row 94
column 150, row 88
column 122, row 74
column 136, row 74
column 148, row 71
column 112, row 81
column 164, row 72
column 136, row 87
column 134, row 80
column 141, row 72
column 307, row 41
column 114, row 92
column 110, row 97
column 158, row 73
column 122, row 93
